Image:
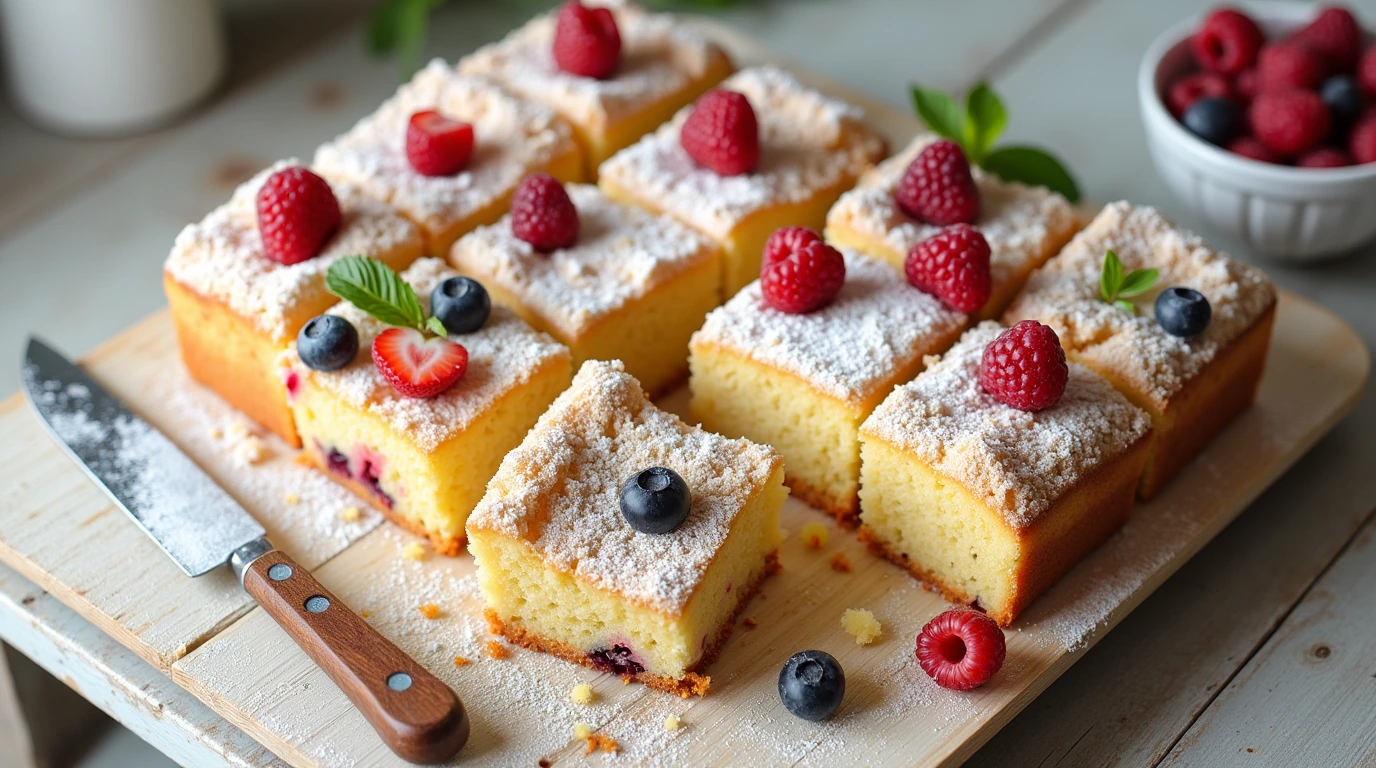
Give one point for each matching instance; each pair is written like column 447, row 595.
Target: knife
column 201, row 527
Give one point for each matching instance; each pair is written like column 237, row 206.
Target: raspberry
column 1249, row 147
column 1227, row 42
column 1281, row 66
column 297, row 213
column 806, row 279
column 1366, row 72
column 1335, row 35
column 1246, row 85
column 586, row 41
column 937, row 186
column 961, row 649
column 1025, row 367
column 1191, row 88
column 721, row 133
column 1362, row 143
column 1324, row 157
column 952, row 265
column 437, row 145
column 542, row 213
column 1289, row 122
column 784, row 242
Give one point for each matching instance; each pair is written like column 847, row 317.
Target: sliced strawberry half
column 437, row 145
column 416, row 366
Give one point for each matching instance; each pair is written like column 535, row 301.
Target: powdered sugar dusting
column 1018, row 463
column 559, row 491
column 621, row 255
column 876, row 325
column 807, row 142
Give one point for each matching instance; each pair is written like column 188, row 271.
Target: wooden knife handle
column 417, row 716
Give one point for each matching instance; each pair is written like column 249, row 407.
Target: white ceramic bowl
column 1280, row 212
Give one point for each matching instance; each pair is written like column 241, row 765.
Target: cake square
column 803, row 383
column 1192, row 387
column 563, row 572
column 424, row 462
column 512, row 137
column 665, row 65
column 989, row 503
column 1024, row 225
column 235, row 310
column 812, row 148
column 633, row 288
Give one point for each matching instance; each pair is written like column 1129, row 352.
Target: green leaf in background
column 1110, row 277
column 1030, row 165
column 374, row 288
column 401, row 26
column 941, row 113
column 1137, row 282
column 985, row 119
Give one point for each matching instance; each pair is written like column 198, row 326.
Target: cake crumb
column 293, row 499
column 582, row 731
column 581, row 694
column 814, row 535
column 749, row 622
column 364, row 614
column 673, row 723
column 603, row 742
column 217, row 433
column 860, row 624
column 839, row 563
column 413, row 551
column 350, row 514
column 239, row 429
column 251, row 450
column 430, row 611
column 460, row 661
column 496, row 650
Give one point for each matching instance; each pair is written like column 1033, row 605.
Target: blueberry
column 1216, row 120
column 812, row 685
column 655, row 500
column 1344, row 98
column 327, row 343
column 461, row 303
column 1183, row 311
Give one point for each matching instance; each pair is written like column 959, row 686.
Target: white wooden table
column 1259, row 651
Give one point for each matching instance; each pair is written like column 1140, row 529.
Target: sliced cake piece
column 1024, row 225
column 989, row 503
column 811, row 148
column 662, row 65
column 509, row 138
column 803, row 383
column 633, row 287
column 1191, row 386
column 235, row 308
column 424, row 461
column 563, row 569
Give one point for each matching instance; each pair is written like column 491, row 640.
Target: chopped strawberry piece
column 437, row 145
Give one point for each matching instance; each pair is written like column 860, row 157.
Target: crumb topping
column 221, row 256
column 502, row 355
column 1018, row 463
column 807, row 142
column 511, row 137
column 621, row 255
column 848, row 349
column 559, row 491
column 1064, row 294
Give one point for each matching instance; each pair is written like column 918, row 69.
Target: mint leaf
column 1030, row 165
column 1110, row 277
column 985, row 119
column 1137, row 282
column 1126, row 306
column 436, row 327
column 941, row 114
column 374, row 288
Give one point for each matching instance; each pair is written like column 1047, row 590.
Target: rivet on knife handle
column 418, row 716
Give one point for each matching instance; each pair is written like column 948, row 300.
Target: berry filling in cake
column 618, row 660
column 365, row 468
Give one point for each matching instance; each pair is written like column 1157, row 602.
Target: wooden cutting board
column 59, row 531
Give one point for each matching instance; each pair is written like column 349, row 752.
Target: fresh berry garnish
column 327, row 343
column 1344, row 98
column 436, row 145
column 1249, row 147
column 938, row 188
column 297, row 213
column 1189, row 89
column 416, row 366
column 655, row 500
column 1025, row 367
column 461, row 304
column 961, row 649
column 1215, row 120
column 1366, row 72
column 542, row 213
column 806, row 279
column 586, row 41
column 812, row 685
column 1246, row 85
column 1281, row 66
column 1362, row 143
column 1227, row 42
column 1335, row 35
column 721, row 133
column 1323, row 157
column 1182, row 312
column 784, row 242
column 1289, row 122
column 952, row 265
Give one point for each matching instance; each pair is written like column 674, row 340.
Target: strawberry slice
column 416, row 366
column 437, row 145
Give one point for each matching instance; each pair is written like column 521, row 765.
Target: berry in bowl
column 1264, row 121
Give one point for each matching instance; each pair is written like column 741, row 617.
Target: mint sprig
column 1116, row 288
column 374, row 288
column 978, row 126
